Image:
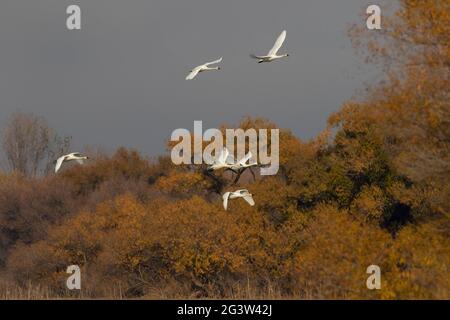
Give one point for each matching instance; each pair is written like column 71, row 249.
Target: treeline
column 372, row 189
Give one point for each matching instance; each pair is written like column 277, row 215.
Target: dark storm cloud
column 120, row 80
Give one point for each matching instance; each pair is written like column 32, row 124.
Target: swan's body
column 243, row 193
column 273, row 53
column 75, row 156
column 204, row 67
column 222, row 161
column 226, row 161
column 242, row 164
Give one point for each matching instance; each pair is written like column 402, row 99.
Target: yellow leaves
column 123, row 165
column 418, row 263
column 304, row 234
column 334, row 259
column 200, row 239
column 401, row 122
column 416, row 36
column 264, row 191
column 383, row 156
column 188, row 236
column 370, row 203
column 183, row 183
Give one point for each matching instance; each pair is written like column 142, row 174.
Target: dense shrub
column 371, row 189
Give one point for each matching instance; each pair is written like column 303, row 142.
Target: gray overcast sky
column 120, row 80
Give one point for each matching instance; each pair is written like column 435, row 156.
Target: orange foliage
column 371, row 189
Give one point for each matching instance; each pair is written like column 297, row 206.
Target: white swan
column 273, row 53
column 243, row 193
column 78, row 157
column 242, row 164
column 223, row 161
column 204, row 67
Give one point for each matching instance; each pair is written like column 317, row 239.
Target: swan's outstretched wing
column 79, row 161
column 257, row 57
column 223, row 156
column 247, row 157
column 59, row 163
column 249, row 199
column 225, row 197
column 278, row 43
column 214, row 62
column 193, row 73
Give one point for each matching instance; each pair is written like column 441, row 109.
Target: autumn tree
column 410, row 110
column 29, row 207
column 372, row 188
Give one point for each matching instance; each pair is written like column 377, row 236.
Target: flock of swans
column 223, row 160
column 226, row 162
column 269, row 57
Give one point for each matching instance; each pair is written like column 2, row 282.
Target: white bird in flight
column 204, row 67
column 226, row 161
column 242, row 164
column 273, row 53
column 78, row 157
column 243, row 193
column 223, row 161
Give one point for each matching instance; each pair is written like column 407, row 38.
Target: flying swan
column 223, row 161
column 243, row 193
column 203, row 67
column 78, row 157
column 242, row 165
column 273, row 53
